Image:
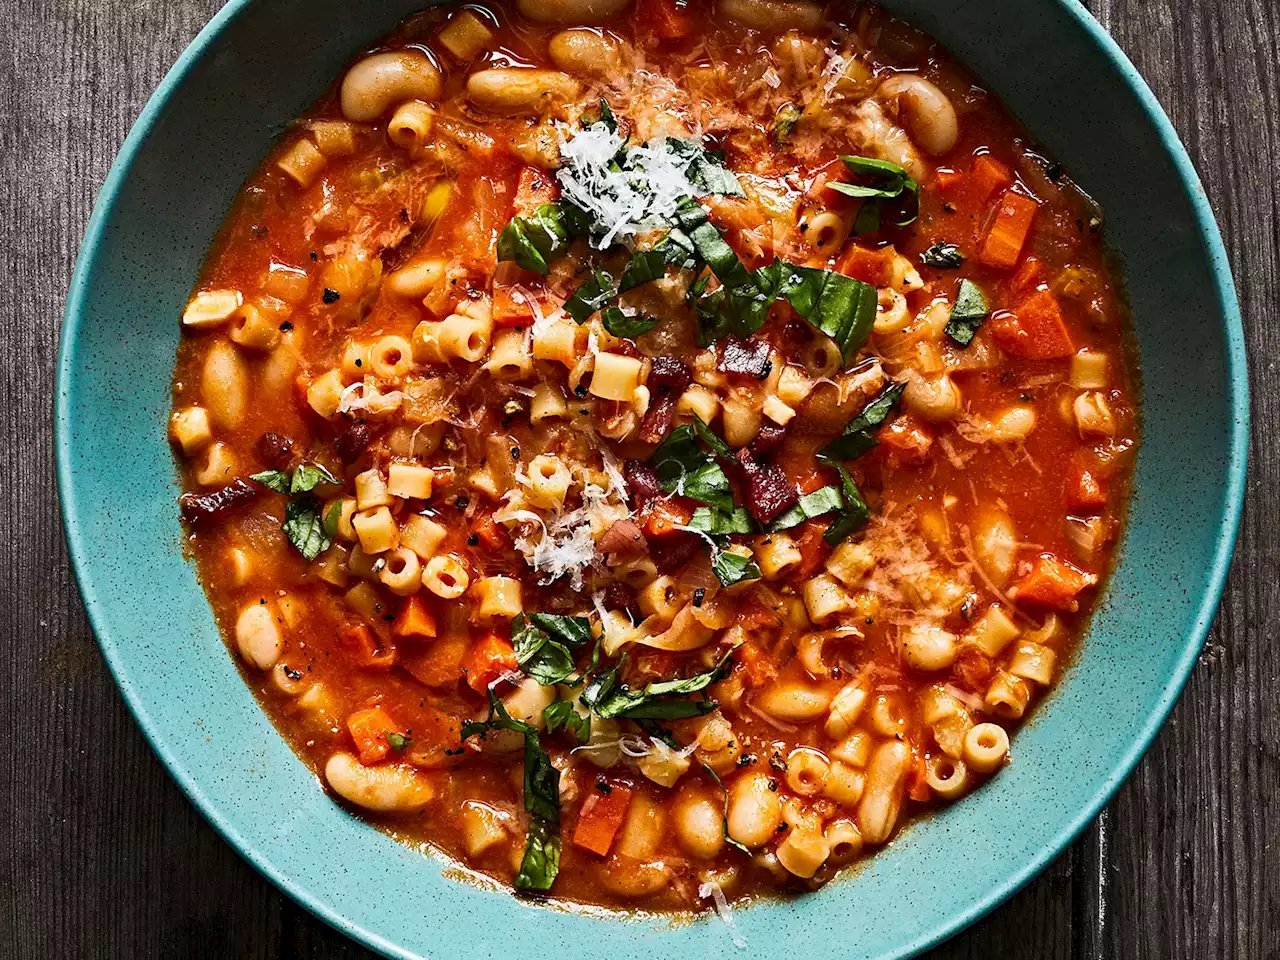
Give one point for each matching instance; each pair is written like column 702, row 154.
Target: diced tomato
column 972, row 670
column 818, row 190
column 1008, row 232
column 1085, row 490
column 415, row 621
column 906, row 439
column 601, row 816
column 668, row 19
column 1028, row 277
column 369, row 729
column 757, row 666
column 436, row 664
column 534, row 188
column 869, row 266
column 1053, row 583
column 510, row 309
column 1035, row 329
column 665, row 517
column 489, row 658
column 987, row 177
column 367, row 647
column 813, row 548
column 918, row 783
column 490, row 533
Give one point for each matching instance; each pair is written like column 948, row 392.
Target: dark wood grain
column 103, row 856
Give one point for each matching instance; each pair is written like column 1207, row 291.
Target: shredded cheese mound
column 641, row 194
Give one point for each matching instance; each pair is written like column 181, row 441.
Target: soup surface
column 651, row 453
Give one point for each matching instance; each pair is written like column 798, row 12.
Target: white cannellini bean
column 571, row 11
column 516, row 90
column 258, row 636
column 396, row 788
column 882, row 796
column 584, row 53
column 926, row 112
column 773, row 15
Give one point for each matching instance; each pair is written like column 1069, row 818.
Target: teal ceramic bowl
column 260, row 63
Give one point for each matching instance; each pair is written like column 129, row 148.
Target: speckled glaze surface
column 258, row 64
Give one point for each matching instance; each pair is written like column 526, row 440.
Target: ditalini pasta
column 644, row 450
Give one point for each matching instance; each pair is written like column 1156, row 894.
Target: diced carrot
column 535, row 188
column 918, row 784
column 601, row 816
column 973, row 670
column 818, row 190
column 1085, row 490
column 415, row 621
column 813, row 548
column 1028, row 277
column 489, row 532
column 948, row 182
column 439, row 663
column 369, row 729
column 510, row 309
column 489, row 658
column 1008, row 232
column 987, row 176
column 1035, row 329
column 666, row 517
column 367, row 647
column 869, row 266
column 1052, row 583
column 667, row 18
column 906, row 439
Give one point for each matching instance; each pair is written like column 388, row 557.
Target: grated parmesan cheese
column 712, row 889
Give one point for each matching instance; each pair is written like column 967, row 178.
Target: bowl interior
column 263, row 61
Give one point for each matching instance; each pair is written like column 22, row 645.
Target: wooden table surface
column 104, row 857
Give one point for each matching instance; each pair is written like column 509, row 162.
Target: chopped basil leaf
column 541, row 798
column 859, row 435
column 841, row 307
column 730, row 568
column 277, row 480
column 539, row 656
column 944, row 256
column 651, row 703
column 708, row 484
column 822, row 500
column 532, row 242
column 575, row 631
column 885, row 188
column 594, row 293
column 718, row 523
column 854, row 514
column 561, row 715
column 706, row 170
column 967, row 314
column 308, row 476
column 621, row 325
column 606, row 117
column 332, row 519
column 712, row 442
column 683, row 468
column 399, row 742
column 643, row 267
column 600, row 686
column 784, row 122
column 541, row 861
column 304, row 528
column 724, row 820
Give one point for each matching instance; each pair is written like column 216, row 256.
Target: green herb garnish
column 853, row 515
column 304, row 526
column 967, row 314
column 623, row 325
column 718, row 523
column 859, row 435
column 815, row 504
column 561, row 715
column 542, row 645
column 944, row 256
column 591, row 296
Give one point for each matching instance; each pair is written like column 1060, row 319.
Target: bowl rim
column 1236, row 468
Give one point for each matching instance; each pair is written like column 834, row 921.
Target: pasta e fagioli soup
column 652, row 451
